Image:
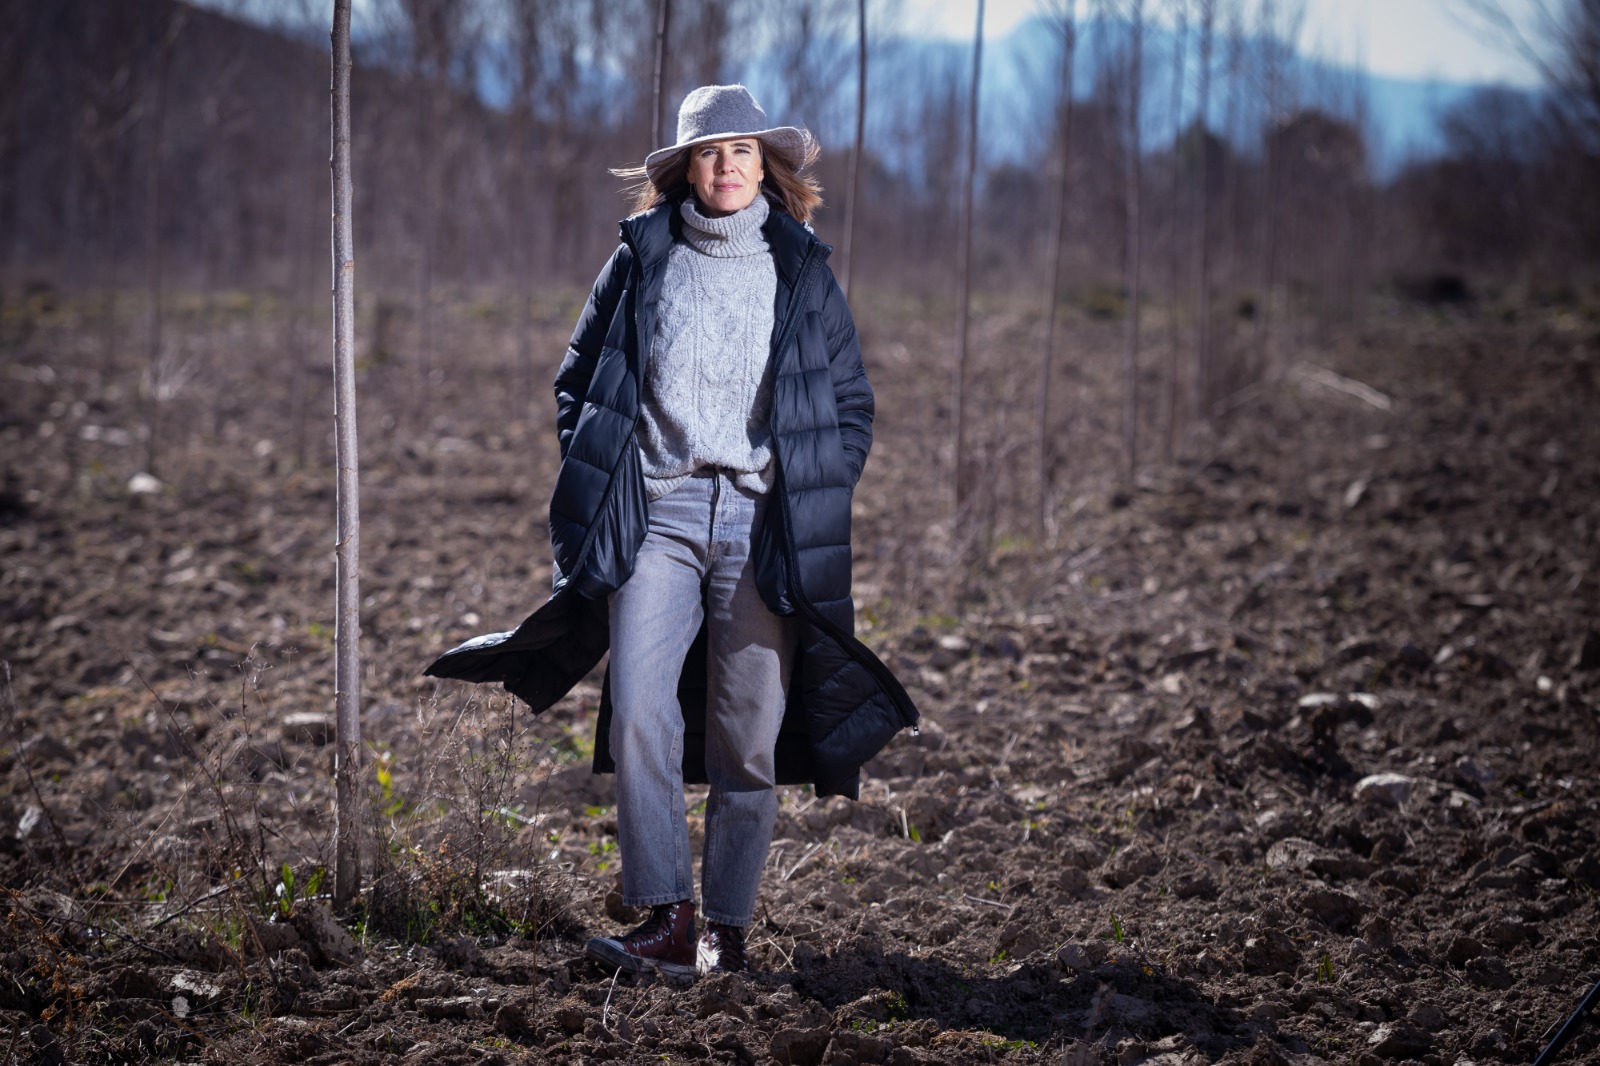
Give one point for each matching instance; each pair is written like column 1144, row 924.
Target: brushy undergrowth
column 452, row 849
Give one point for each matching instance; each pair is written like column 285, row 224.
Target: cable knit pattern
column 708, row 391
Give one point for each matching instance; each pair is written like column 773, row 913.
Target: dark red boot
column 665, row 942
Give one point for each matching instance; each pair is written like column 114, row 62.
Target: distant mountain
column 1021, row 72
column 1406, row 118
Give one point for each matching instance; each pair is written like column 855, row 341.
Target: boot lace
column 654, row 929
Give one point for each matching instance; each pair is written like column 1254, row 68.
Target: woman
column 713, row 417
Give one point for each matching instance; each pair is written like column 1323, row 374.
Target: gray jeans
column 695, row 565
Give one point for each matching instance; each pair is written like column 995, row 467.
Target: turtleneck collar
column 730, row 236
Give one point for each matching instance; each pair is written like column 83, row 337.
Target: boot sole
column 610, row 952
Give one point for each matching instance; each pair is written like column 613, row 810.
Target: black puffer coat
column 844, row 704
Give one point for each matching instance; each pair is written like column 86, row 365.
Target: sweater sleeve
column 851, row 390
column 583, row 350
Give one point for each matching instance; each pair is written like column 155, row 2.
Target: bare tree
column 305, row 258
column 1199, row 399
column 107, row 60
column 855, row 154
column 1561, row 38
column 1043, row 460
column 347, row 594
column 1133, row 262
column 440, row 38
column 658, row 115
column 161, row 380
column 1229, row 250
column 1562, row 41
column 1174, row 257
column 523, row 57
column 17, row 67
column 806, row 46
column 1577, row 69
column 964, row 287
column 707, row 39
column 1278, row 99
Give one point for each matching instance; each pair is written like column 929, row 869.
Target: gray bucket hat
column 723, row 112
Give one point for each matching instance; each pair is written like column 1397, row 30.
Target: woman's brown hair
column 790, row 188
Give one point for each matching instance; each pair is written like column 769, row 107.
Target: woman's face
column 726, row 175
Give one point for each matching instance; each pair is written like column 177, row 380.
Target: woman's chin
column 721, row 204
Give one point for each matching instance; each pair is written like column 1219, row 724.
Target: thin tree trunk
column 1058, row 238
column 1230, row 244
column 518, row 181
column 18, row 69
column 430, row 95
column 155, row 367
column 1174, row 296
column 1199, row 395
column 850, row 214
column 964, row 293
column 1134, row 249
column 430, row 207
column 1276, row 75
column 658, row 117
column 347, row 594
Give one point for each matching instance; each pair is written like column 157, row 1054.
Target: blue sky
column 1422, row 40
column 1421, row 56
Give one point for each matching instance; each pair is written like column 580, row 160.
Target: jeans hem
column 656, row 901
column 742, row 923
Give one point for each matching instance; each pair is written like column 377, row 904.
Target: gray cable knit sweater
column 708, row 393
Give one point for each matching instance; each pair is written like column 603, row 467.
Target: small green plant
column 1018, row 1044
column 1325, row 970
column 604, row 850
column 1117, row 932
column 286, row 892
column 390, row 803
column 575, row 745
column 156, row 889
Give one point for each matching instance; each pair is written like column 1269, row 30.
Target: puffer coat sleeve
column 597, row 507
column 588, row 337
column 851, row 389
